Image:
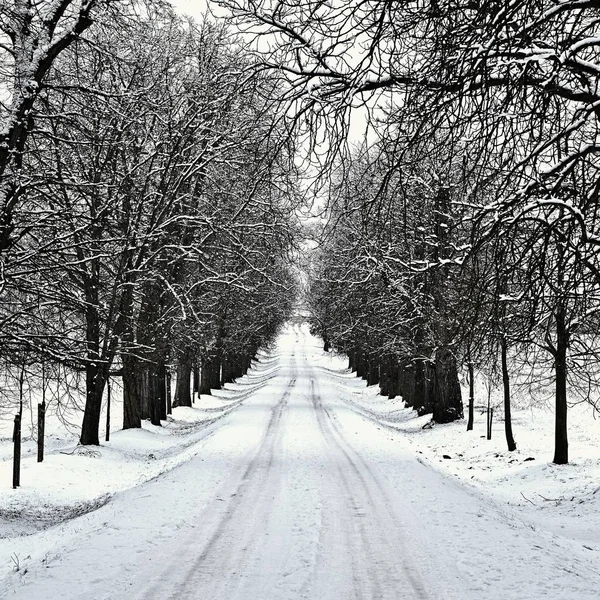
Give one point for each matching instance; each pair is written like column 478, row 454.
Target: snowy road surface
column 296, row 496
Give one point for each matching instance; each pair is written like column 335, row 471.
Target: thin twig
column 550, row 499
column 528, row 500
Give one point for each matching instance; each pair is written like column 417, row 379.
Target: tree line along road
column 296, row 496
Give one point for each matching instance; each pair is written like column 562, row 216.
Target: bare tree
column 32, row 36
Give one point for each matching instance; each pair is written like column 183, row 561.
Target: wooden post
column 17, row 452
column 168, row 384
column 40, row 432
column 107, row 438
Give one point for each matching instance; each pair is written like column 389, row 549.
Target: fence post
column 41, row 428
column 17, row 452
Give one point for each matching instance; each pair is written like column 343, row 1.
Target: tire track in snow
column 222, row 563
column 287, row 502
column 240, row 495
column 379, row 570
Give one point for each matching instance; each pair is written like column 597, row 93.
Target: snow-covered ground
column 300, row 482
column 564, row 499
column 73, row 479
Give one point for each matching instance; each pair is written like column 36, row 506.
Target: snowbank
column 73, row 479
column 563, row 499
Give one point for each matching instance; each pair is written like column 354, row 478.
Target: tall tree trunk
column 384, row 379
column 238, row 366
column 155, row 390
column 228, row 369
column 393, row 375
column 420, row 396
column 131, row 403
column 95, row 372
column 448, row 404
column 471, row 369
column 561, row 443
column 152, row 349
column 373, row 372
column 95, row 380
column 161, row 392
column 363, row 372
column 352, row 360
column 359, row 364
column 246, row 363
column 406, row 383
column 205, row 376
column 183, row 395
column 215, row 372
column 224, row 370
column 168, row 393
column 490, row 420
column 143, row 388
column 506, row 386
column 195, row 379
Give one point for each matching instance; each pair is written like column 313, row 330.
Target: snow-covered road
column 296, row 496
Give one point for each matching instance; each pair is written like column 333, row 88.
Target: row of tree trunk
column 145, row 391
column 431, row 386
column 147, row 384
column 428, row 386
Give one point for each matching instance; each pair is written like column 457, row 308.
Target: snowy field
column 73, row 479
column 300, row 482
column 564, row 499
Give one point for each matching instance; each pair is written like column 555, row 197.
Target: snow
column 563, row 499
column 73, row 479
column 300, row 482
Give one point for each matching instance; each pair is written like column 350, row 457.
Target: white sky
column 193, row 8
